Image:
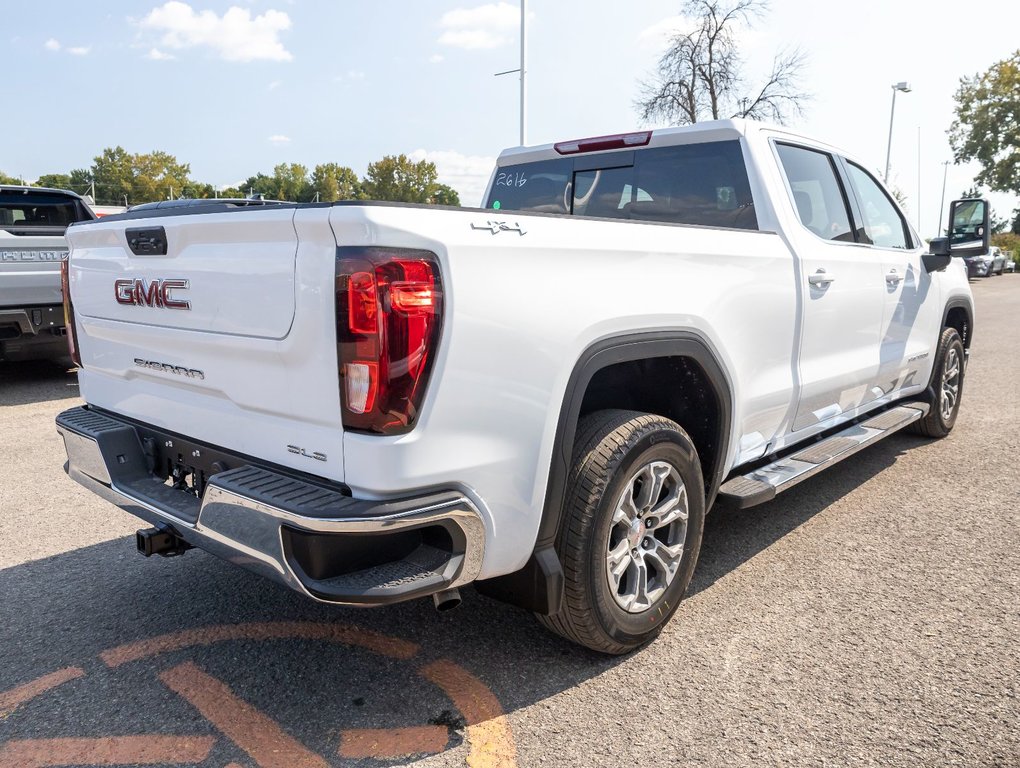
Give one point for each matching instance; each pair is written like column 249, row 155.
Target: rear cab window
column 40, row 212
column 703, row 184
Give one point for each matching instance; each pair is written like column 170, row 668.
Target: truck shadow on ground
column 36, row 381
column 64, row 612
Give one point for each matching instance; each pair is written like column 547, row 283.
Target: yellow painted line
column 393, row 743
column 488, row 732
column 257, row 734
column 304, row 630
column 12, row 699
column 117, row 750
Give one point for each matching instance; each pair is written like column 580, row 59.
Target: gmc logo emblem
column 138, row 293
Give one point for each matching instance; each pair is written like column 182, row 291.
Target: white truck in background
column 371, row 402
column 32, row 246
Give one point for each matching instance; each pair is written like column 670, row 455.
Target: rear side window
column 30, row 211
column 703, row 184
column 817, row 194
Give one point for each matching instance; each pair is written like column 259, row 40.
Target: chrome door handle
column 892, row 276
column 821, row 278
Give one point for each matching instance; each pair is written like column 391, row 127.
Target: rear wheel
column 947, row 382
column 631, row 530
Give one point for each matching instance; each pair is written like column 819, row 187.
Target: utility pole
column 918, row 179
column 945, row 172
column 901, row 86
column 523, row 70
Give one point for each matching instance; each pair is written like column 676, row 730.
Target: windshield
column 688, row 184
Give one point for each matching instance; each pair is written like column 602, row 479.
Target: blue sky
column 236, row 86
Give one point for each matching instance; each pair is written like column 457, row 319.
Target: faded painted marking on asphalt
column 257, row 734
column 12, row 699
column 488, row 734
column 392, row 743
column 488, row 730
column 284, row 630
column 119, row 750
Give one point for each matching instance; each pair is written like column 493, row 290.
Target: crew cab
column 32, row 225
column 371, row 402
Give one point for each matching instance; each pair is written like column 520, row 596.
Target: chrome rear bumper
column 311, row 537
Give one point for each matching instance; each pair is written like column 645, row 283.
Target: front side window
column 817, row 194
column 883, row 223
column 704, row 184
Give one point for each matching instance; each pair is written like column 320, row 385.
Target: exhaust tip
column 446, row 600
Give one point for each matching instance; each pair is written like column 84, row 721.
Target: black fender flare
column 968, row 306
column 538, row 586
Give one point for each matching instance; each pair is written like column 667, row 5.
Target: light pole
column 901, row 86
column 523, row 69
column 942, row 205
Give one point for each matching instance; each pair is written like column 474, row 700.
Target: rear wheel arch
column 606, row 363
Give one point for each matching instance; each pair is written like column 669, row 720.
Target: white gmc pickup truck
column 373, row 402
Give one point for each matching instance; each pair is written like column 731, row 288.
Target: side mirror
column 939, row 255
column 969, row 232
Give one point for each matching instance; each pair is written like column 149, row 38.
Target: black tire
column 942, row 416
column 612, row 450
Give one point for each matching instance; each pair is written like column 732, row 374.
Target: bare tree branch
column 699, row 75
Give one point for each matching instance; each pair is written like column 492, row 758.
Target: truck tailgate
column 203, row 337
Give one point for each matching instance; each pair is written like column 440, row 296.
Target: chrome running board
column 764, row 483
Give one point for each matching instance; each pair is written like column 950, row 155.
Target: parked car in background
column 992, row 263
column 32, row 246
column 1009, row 265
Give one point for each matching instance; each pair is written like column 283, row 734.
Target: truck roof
column 713, row 130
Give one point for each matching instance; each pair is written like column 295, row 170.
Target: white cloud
column 436, row 58
column 486, row 26
column 355, row 74
column 52, row 45
column 474, row 39
column 81, row 50
column 279, row 139
column 157, row 55
column 234, row 36
column 274, row 85
column 468, row 174
column 658, row 35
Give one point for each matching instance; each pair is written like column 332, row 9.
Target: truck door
column 910, row 318
column 842, row 293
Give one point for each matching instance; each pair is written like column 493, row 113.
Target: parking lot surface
column 869, row 616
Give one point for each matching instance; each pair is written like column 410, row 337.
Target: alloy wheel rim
column 647, row 536
column 950, row 384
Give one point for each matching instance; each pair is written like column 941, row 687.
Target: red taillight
column 389, row 313
column 72, row 334
column 598, row 143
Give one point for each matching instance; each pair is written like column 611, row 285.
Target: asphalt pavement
column 868, row 617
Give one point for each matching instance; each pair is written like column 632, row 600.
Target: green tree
column 699, row 75
column 54, row 181
column 444, row 195
column 987, row 124
column 399, row 179
column 332, row 181
column 259, row 184
column 5, row 179
column 113, row 174
column 158, row 176
column 292, row 183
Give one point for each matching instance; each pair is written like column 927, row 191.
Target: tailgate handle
column 146, row 241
